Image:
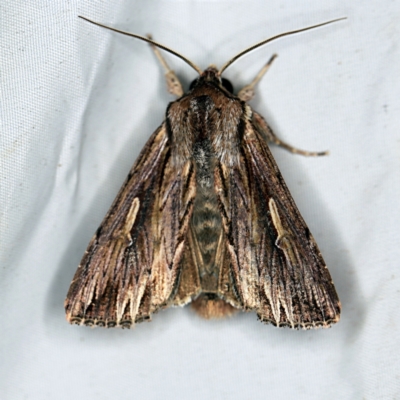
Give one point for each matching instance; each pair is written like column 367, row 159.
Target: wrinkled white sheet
column 77, row 105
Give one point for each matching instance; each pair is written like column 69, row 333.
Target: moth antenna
column 251, row 48
column 145, row 39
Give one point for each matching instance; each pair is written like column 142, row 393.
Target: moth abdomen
column 206, row 219
column 209, row 306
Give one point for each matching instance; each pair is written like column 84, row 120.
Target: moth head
column 211, row 74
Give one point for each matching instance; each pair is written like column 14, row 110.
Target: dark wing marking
column 278, row 269
column 132, row 264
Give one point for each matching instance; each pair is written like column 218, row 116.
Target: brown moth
column 205, row 217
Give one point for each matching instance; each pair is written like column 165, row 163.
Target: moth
column 205, row 217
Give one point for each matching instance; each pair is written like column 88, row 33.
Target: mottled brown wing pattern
column 278, row 269
column 132, row 264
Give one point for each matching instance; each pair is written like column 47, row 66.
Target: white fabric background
column 77, row 105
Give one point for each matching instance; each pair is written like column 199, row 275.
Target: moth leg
column 268, row 134
column 247, row 93
column 173, row 85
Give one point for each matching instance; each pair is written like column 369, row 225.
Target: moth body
column 205, row 217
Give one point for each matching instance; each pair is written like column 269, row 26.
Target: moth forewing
column 205, row 217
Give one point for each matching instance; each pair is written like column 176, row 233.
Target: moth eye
column 193, row 84
column 227, row 85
